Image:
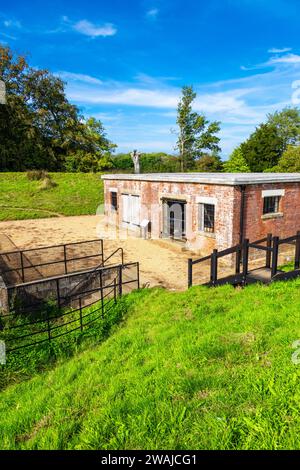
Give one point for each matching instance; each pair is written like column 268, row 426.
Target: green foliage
column 122, row 161
column 73, row 194
column 289, row 162
column 196, row 134
column 287, row 123
column 159, row 162
column 209, row 164
column 39, row 128
column 236, row 162
column 201, row 369
column 263, row 148
column 84, row 162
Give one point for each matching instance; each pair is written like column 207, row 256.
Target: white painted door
column 131, row 209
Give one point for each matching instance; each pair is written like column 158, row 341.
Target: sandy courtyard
column 160, row 263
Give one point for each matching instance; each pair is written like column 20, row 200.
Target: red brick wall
column 227, row 216
column 151, row 198
column 257, row 227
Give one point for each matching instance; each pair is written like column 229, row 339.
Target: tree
column 287, row 123
column 196, row 134
column 39, row 128
column 236, row 162
column 289, row 161
column 209, row 164
column 263, row 148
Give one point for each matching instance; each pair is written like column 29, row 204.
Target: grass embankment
column 206, row 368
column 74, row 194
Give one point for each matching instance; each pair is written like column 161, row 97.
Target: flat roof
column 230, row 179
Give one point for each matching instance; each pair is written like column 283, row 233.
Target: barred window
column 271, row 204
column 207, row 218
column 114, row 200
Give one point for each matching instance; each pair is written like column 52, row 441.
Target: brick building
column 205, row 210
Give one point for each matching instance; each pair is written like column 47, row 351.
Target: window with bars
column 207, row 218
column 271, row 204
column 114, row 200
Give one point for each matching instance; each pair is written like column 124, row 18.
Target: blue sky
column 125, row 62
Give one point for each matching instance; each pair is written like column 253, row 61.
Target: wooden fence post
column 275, row 256
column 245, row 259
column 269, row 248
column 214, row 267
column 238, row 259
column 190, row 272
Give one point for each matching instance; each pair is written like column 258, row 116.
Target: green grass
column 206, row 368
column 75, row 194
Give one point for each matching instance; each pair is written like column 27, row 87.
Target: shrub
column 36, row 175
column 47, row 183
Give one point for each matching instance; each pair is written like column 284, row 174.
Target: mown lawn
column 206, row 368
column 75, row 194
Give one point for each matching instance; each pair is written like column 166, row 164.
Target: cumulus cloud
column 85, row 27
column 92, row 30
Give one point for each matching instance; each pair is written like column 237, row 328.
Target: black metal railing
column 40, row 323
column 28, row 264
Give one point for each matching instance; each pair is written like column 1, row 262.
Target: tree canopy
column 39, row 128
column 236, row 162
column 196, row 135
column 263, row 148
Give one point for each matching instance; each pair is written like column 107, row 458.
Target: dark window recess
column 114, row 201
column 208, row 218
column 271, row 204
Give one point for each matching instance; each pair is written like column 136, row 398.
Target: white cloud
column 92, row 30
column 12, row 24
column 145, row 108
column 79, row 77
column 152, row 13
column 285, row 59
column 275, row 50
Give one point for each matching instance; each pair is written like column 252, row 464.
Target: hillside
column 206, row 368
column 75, row 194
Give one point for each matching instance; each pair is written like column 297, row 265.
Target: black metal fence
column 241, row 254
column 32, row 264
column 31, row 324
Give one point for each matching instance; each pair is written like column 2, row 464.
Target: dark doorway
column 174, row 219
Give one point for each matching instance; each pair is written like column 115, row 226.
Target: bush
column 47, row 183
column 36, row 175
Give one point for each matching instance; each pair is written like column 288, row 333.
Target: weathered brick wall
column 151, row 194
column 284, row 225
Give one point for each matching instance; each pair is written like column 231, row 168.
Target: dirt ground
column 161, row 263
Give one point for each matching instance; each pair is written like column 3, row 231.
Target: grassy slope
column 205, row 369
column 75, row 194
